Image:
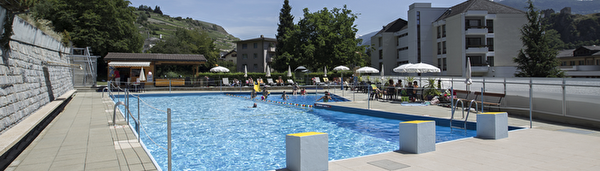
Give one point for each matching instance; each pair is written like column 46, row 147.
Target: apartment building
column 485, row 31
column 583, row 62
column 255, row 54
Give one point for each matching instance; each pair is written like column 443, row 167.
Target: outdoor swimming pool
column 219, row 132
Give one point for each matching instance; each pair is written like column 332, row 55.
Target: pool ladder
column 463, row 113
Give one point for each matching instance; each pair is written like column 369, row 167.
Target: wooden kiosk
column 129, row 66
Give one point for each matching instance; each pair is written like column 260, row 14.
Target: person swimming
column 284, row 96
column 326, row 97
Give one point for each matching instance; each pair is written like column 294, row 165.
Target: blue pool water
column 219, row 132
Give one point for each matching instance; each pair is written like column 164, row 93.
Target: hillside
column 577, row 6
column 575, row 30
column 151, row 25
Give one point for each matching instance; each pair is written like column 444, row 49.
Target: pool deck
column 80, row 138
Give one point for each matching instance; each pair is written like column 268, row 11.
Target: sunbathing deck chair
column 226, row 81
column 375, row 92
column 325, row 80
column 290, row 81
column 318, row 81
column 270, row 82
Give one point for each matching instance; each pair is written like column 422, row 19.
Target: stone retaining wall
column 27, row 80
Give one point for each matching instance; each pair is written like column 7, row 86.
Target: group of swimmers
column 284, row 96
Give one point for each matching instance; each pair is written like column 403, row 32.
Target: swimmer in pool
column 326, row 97
column 253, row 106
column 284, row 96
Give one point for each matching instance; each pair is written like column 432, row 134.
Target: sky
column 248, row 19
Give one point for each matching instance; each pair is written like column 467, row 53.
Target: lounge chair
column 226, row 81
column 325, row 80
column 270, row 82
column 318, row 81
column 290, row 81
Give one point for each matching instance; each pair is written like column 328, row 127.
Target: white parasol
column 219, row 69
column 268, row 72
column 142, row 75
column 325, row 71
column 367, row 70
column 245, row 71
column 468, row 81
column 289, row 71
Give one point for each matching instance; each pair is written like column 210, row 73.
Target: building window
column 597, row 61
column 490, row 25
column 490, row 44
column 380, row 54
column 255, row 66
column 476, row 61
column 581, row 62
column 563, row 63
column 380, row 42
column 443, row 30
column 244, row 56
column 439, row 49
column 572, row 63
column 255, row 56
column 444, row 47
column 244, row 46
column 234, row 55
column 444, row 67
column 473, row 23
column 490, row 60
column 380, row 65
column 418, row 17
column 439, row 63
column 473, row 42
column 439, row 32
column 255, row 45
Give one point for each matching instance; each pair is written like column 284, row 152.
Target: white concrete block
column 307, row 151
column 417, row 136
column 492, row 125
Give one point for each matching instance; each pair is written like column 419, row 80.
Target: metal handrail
column 453, row 109
column 470, row 105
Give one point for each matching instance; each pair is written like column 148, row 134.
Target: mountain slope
column 152, row 26
column 577, row 6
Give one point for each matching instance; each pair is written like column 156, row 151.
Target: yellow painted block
column 491, row 113
column 305, row 134
column 416, row 121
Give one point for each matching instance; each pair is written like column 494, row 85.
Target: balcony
column 271, row 49
column 476, row 30
column 482, row 49
column 581, row 68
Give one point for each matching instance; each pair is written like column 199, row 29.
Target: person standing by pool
column 284, row 96
column 326, row 97
column 303, row 92
column 295, row 89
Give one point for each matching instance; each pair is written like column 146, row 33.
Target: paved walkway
column 81, row 139
column 547, row 146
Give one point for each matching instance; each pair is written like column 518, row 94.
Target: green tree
column 328, row 38
column 104, row 25
column 538, row 59
column 189, row 42
column 285, row 46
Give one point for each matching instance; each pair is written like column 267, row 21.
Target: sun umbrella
column 421, row 68
column 468, row 81
column 341, row 68
column 382, row 70
column 245, row 71
column 289, row 71
column 219, row 69
column 367, row 70
column 402, row 68
column 268, row 72
column 325, row 72
column 142, row 75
